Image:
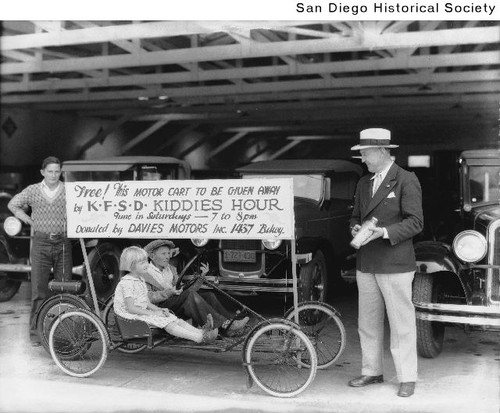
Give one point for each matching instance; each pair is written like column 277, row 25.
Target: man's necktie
column 377, row 180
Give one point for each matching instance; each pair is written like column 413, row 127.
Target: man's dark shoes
column 406, row 389
column 362, row 381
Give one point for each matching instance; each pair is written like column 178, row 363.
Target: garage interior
column 222, row 94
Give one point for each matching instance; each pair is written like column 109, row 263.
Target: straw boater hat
column 154, row 245
column 374, row 138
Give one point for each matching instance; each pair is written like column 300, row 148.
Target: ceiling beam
column 227, row 143
column 238, row 51
column 143, row 135
column 175, row 138
column 284, row 149
column 126, row 32
column 198, row 143
column 197, row 106
column 102, row 134
column 391, row 63
column 417, row 79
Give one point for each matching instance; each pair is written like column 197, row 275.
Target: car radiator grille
column 495, row 285
column 242, row 245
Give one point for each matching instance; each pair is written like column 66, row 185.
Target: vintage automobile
column 459, row 284
column 323, row 202
column 103, row 254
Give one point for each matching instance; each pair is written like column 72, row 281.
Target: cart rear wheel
column 274, row 355
column 114, row 333
column 78, row 343
column 321, row 323
column 104, row 261
column 53, row 308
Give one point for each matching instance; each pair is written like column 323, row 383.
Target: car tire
column 430, row 334
column 313, row 279
column 8, row 288
column 104, row 261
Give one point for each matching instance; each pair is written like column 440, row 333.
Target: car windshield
column 484, row 184
column 304, row 186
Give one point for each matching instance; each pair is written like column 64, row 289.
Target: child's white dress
column 135, row 288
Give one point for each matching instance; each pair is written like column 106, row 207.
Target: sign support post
column 294, row 280
column 89, row 276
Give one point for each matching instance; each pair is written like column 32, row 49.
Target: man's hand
column 376, row 233
column 355, row 229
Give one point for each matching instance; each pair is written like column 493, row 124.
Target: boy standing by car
column 50, row 249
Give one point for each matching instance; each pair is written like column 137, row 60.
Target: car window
column 157, row 173
column 484, row 183
column 343, row 185
column 72, row 176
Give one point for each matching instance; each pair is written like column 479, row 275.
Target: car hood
column 485, row 214
column 306, row 210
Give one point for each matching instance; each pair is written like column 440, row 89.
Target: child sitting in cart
column 131, row 301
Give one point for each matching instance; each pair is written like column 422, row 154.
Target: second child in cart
column 131, row 301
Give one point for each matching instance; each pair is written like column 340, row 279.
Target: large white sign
column 233, row 208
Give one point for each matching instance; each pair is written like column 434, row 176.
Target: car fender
column 436, row 258
column 5, row 245
column 312, row 245
column 305, row 245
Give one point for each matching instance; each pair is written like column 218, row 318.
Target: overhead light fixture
column 163, row 97
column 143, row 98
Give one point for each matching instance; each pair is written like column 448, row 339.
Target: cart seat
column 139, row 331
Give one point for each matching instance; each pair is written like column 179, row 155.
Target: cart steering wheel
column 189, row 283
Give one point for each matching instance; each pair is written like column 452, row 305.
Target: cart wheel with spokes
column 322, row 324
column 104, row 261
column 79, row 342
column 274, row 355
column 53, row 308
column 114, row 333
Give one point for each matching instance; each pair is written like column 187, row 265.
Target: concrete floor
column 464, row 378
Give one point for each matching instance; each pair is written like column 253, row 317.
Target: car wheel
column 8, row 288
column 430, row 334
column 313, row 279
column 104, row 261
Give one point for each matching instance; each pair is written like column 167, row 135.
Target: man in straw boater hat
column 385, row 262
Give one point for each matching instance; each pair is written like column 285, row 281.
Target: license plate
column 239, row 256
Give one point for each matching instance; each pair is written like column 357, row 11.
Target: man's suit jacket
column 397, row 205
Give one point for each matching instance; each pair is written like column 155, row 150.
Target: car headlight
column 199, row 242
column 271, row 244
column 470, row 246
column 12, row 226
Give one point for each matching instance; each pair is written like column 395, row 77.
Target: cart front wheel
column 78, row 343
column 322, row 324
column 274, row 356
